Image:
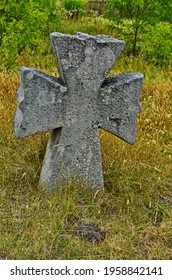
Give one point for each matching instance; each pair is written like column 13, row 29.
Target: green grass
column 134, row 210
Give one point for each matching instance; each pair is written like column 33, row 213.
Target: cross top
column 76, row 104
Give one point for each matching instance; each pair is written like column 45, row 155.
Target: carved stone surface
column 76, row 104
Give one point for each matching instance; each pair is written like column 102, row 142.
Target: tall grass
column 134, row 210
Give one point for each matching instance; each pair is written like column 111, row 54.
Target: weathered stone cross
column 75, row 105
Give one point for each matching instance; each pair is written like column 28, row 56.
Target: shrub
column 158, row 43
column 23, row 25
column 133, row 17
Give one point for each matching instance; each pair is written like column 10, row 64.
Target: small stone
column 90, row 233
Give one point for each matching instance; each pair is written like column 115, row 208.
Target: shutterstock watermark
column 32, row 271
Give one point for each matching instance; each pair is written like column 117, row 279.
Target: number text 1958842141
column 133, row 271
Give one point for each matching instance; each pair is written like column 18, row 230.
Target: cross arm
column 41, row 103
column 119, row 104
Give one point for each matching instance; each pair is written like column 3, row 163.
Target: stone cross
column 76, row 104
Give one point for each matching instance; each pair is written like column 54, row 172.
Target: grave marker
column 76, row 104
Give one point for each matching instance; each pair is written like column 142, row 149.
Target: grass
column 134, row 210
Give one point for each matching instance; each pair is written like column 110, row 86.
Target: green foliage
column 75, row 8
column 23, row 24
column 158, row 43
column 132, row 17
column 74, row 4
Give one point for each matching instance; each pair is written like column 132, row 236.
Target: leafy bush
column 23, row 25
column 158, row 43
column 132, row 17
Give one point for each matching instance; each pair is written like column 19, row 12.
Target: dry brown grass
column 134, row 210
